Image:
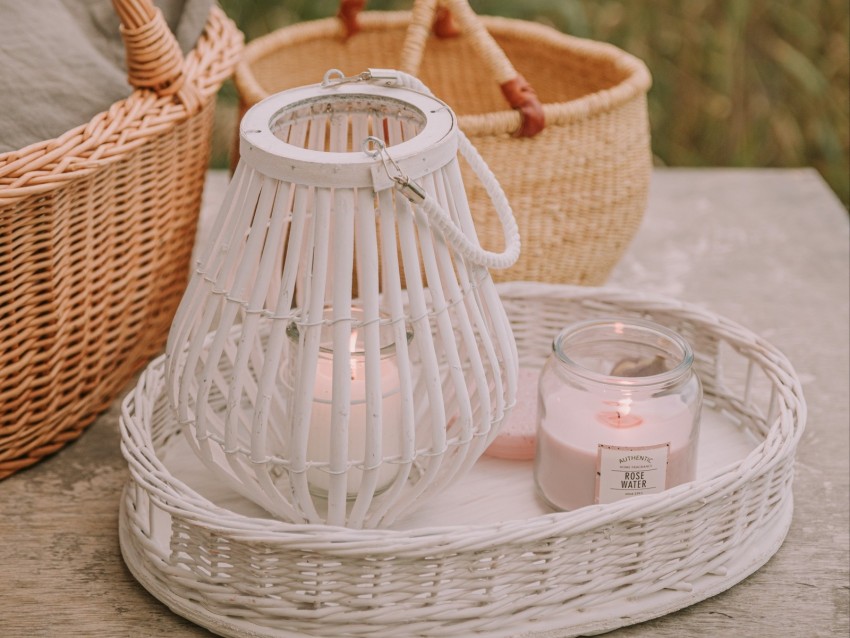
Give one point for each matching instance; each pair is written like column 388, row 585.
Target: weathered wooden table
column 766, row 248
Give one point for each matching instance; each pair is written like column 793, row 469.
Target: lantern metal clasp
column 375, row 147
column 335, row 77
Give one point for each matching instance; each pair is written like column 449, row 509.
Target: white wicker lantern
column 341, row 351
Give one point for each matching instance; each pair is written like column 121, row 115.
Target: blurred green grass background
column 758, row 83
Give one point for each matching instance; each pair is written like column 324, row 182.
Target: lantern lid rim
column 434, row 146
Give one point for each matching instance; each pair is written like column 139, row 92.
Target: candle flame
column 621, row 415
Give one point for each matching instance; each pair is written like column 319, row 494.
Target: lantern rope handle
column 470, row 250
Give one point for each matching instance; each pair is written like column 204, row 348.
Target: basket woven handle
column 154, row 59
column 438, row 16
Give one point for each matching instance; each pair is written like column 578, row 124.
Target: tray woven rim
column 774, row 457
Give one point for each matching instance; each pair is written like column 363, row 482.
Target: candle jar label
column 630, row 471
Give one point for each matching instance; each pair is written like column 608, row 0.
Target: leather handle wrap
column 444, row 24
column 522, row 97
column 348, row 12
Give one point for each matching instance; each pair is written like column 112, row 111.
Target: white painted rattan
column 593, row 569
column 346, row 223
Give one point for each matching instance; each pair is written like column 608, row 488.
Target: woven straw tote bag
column 578, row 187
column 96, row 233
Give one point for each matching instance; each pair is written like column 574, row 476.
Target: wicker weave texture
column 579, row 188
column 249, row 576
column 96, row 233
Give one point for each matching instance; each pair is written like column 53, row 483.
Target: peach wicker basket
column 578, row 188
column 484, row 558
column 96, row 232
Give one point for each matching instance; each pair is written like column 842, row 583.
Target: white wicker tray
column 485, row 558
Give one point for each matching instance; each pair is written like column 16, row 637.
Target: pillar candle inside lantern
column 319, row 441
column 388, row 408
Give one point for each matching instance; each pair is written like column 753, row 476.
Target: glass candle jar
column 356, row 413
column 619, row 410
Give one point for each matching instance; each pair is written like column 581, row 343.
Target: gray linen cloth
column 62, row 62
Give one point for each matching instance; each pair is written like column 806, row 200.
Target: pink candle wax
column 589, row 451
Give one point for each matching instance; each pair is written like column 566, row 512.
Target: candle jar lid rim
column 682, row 367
